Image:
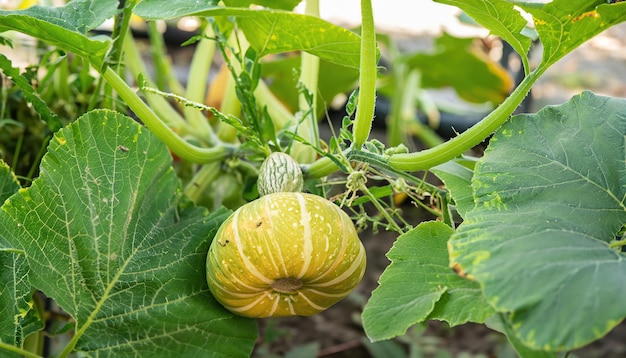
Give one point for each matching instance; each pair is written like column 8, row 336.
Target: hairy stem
column 179, row 146
column 383, row 211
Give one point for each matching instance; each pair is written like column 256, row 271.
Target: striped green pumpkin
column 285, row 254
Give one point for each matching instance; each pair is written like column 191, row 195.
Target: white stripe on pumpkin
column 246, row 261
column 305, row 221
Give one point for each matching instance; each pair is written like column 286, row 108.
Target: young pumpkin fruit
column 285, row 254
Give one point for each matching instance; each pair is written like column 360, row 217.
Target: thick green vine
column 367, row 77
column 178, row 145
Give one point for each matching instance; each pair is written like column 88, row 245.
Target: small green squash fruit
column 285, row 254
column 279, row 173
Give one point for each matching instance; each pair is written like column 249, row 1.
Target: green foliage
column 457, row 63
column 77, row 16
column 501, row 324
column 501, row 19
column 419, row 285
column 108, row 230
column 549, row 197
column 457, row 178
column 62, row 27
column 123, row 255
column 271, row 31
column 8, row 182
column 18, row 319
column 39, row 100
column 562, row 26
column 281, row 73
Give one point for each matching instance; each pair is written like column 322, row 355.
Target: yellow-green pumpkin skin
column 269, row 247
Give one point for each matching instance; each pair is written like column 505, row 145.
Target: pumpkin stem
column 287, row 285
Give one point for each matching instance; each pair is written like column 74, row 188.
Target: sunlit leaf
column 270, row 31
column 108, row 237
column 563, row 25
column 64, row 26
column 77, row 16
column 550, row 197
column 499, row 17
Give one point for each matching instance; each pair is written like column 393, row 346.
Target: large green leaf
column 270, row 31
column 457, row 63
column 106, row 235
column 419, row 285
column 78, row 15
column 501, row 19
column 18, row 319
column 549, row 196
column 563, row 25
column 64, row 26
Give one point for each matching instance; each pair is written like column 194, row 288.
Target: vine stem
column 178, row 145
column 454, row 147
column 279, row 114
column 309, row 75
column 451, row 149
column 367, row 77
